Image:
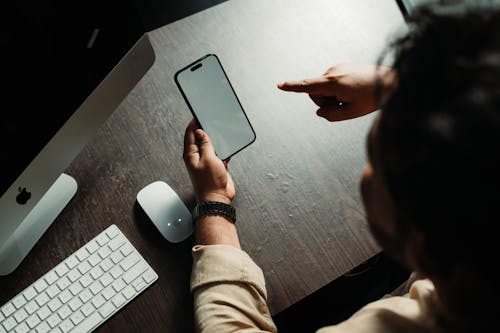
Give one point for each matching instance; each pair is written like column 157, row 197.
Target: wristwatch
column 204, row 208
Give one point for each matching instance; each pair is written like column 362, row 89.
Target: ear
column 418, row 257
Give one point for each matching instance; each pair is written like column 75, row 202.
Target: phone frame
column 188, row 67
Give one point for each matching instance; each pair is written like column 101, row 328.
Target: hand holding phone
column 213, row 102
column 209, row 176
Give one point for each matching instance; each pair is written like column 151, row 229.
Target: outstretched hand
column 344, row 91
column 209, row 176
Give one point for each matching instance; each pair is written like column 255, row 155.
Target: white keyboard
column 82, row 291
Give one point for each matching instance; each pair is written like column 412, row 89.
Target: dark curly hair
column 439, row 134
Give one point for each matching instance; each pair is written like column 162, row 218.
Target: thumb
column 205, row 144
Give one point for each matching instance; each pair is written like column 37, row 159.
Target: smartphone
column 213, row 102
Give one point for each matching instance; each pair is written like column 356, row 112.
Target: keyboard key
column 96, row 287
column 8, row 309
column 126, row 249
column 53, row 320
column 66, row 325
column 139, row 284
column 116, row 243
column 128, row 292
column 134, row 272
column 42, row 299
column 65, row 296
column 104, row 252
column 44, row 312
column 118, row 300
column 32, row 321
column 94, row 259
column 64, row 312
column 22, row 328
column 61, row 269
column 98, row 301
column 63, row 283
column 43, row 328
column 77, row 317
column 54, row 304
column 31, row 307
column 52, row 291
column 84, row 267
column 96, row 272
column 86, row 280
column 82, row 254
column 149, row 276
column 107, row 264
column 106, row 309
column 21, row 315
column 71, row 262
column 9, row 323
column 106, row 279
column 75, row 303
column 51, row 277
column 19, row 301
column 117, row 257
column 108, row 293
column 116, row 272
column 87, row 309
column 75, row 288
column 92, row 246
column 102, row 239
column 129, row 261
column 112, row 232
column 89, row 323
column 118, row 285
column 85, row 296
column 74, row 275
column 29, row 293
column 40, row 285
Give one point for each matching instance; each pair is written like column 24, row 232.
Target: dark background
column 156, row 13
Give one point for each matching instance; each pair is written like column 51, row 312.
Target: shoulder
column 394, row 314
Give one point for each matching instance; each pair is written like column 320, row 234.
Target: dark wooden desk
column 299, row 211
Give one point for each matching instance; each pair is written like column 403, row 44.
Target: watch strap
column 205, row 208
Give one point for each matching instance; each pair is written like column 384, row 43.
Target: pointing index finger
column 315, row 85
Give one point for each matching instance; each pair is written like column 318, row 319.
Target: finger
column 324, row 100
column 312, row 86
column 191, row 150
column 204, row 144
column 339, row 113
column 189, row 137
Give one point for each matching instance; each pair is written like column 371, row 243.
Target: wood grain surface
column 299, row 212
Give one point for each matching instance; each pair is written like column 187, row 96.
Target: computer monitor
column 408, row 6
column 67, row 65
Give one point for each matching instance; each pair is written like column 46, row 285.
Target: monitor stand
column 13, row 251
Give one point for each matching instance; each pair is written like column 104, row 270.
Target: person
column 430, row 188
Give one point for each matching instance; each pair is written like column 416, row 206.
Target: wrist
column 216, row 230
column 214, row 197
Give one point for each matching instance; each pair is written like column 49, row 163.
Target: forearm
column 229, row 292
column 228, row 288
column 216, row 230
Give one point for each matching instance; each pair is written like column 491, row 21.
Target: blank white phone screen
column 216, row 106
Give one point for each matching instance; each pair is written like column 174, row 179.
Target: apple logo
column 23, row 196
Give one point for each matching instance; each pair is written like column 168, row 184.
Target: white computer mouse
column 166, row 210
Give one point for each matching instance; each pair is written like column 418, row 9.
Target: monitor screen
column 54, row 54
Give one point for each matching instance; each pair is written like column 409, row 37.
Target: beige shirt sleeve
column 413, row 312
column 229, row 292
column 230, row 296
